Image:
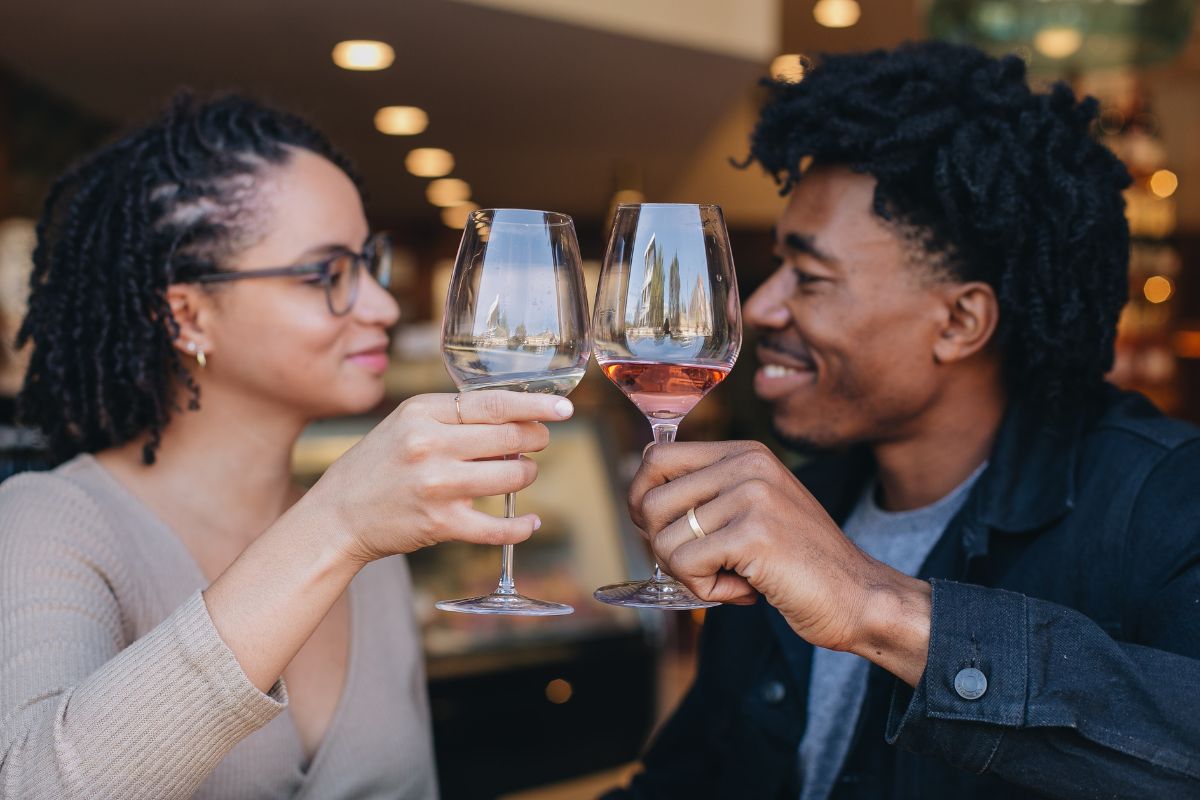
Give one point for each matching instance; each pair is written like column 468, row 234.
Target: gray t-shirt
column 838, row 685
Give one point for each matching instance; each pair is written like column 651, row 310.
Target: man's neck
column 946, row 445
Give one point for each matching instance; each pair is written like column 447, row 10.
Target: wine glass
column 516, row 319
column 667, row 328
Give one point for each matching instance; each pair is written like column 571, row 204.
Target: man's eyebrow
column 800, row 243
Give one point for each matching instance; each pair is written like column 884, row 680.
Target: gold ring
column 458, row 409
column 694, row 524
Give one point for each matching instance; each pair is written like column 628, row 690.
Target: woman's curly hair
column 1000, row 184
column 167, row 202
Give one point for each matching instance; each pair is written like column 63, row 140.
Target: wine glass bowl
column 516, row 319
column 667, row 328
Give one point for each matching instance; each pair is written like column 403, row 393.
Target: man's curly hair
column 1001, row 184
column 167, row 202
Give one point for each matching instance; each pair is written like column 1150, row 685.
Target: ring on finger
column 694, row 524
column 458, row 408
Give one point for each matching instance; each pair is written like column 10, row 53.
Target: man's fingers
column 711, row 517
column 706, row 566
column 667, row 462
column 494, row 406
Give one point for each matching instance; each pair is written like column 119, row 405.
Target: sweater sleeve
column 83, row 711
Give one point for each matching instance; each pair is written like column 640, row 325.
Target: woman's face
column 274, row 340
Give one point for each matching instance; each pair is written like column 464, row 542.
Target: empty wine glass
column 667, row 328
column 516, row 319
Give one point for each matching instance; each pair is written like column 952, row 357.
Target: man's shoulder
column 1131, row 424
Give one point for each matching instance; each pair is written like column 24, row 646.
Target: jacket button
column 970, row 683
column 773, row 691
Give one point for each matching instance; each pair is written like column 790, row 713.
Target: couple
column 989, row 587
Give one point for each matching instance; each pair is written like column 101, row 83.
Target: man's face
column 848, row 322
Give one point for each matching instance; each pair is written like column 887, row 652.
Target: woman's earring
column 198, row 353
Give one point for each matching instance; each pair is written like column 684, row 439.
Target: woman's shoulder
column 66, row 504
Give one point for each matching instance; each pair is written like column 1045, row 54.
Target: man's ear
column 972, row 314
column 191, row 307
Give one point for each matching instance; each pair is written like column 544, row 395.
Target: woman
column 160, row 589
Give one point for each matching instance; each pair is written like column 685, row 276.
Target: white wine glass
column 667, row 328
column 516, row 319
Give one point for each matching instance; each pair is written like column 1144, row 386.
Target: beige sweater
column 115, row 684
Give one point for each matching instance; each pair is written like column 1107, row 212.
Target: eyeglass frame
column 361, row 261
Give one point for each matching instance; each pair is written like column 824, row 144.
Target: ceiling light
column 1058, row 42
column 1157, row 289
column 456, row 216
column 363, row 55
column 836, row 13
column 448, row 192
column 400, row 120
column 429, row 162
column 788, row 68
column 1164, row 183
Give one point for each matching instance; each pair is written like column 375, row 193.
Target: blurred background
column 574, row 106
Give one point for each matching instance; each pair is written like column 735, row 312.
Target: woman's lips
column 375, row 361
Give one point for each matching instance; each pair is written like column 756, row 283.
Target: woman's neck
column 224, row 470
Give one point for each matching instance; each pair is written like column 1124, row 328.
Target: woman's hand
column 409, row 483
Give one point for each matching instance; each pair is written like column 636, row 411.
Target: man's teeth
column 778, row 371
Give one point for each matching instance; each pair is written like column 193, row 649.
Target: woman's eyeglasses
column 340, row 273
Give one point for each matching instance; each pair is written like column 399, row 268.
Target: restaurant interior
column 446, row 106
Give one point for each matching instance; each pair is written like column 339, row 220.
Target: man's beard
column 800, row 444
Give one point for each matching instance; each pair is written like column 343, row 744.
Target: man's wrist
column 896, row 626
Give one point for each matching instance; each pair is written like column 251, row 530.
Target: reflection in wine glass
column 516, row 319
column 667, row 328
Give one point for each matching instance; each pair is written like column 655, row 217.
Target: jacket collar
column 1030, row 479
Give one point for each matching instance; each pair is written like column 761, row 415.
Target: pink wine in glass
column 664, row 391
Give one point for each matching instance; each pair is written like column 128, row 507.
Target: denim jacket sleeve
column 1067, row 709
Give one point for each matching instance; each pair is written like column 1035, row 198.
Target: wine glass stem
column 506, row 585
column 664, row 433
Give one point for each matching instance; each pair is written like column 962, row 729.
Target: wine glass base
column 513, row 604
column 669, row 595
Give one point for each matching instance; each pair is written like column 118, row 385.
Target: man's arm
column 1029, row 690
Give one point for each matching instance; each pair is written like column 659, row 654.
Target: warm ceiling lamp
column 456, row 216
column 1157, row 289
column 836, row 13
column 363, row 55
column 447, row 192
column 788, row 68
column 401, row 120
column 429, row 162
column 1164, row 183
column 1058, row 42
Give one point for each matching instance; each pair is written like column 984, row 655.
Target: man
column 990, row 585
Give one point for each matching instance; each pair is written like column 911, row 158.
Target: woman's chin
column 348, row 402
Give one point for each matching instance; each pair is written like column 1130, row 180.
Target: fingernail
column 647, row 448
column 564, row 408
column 537, row 523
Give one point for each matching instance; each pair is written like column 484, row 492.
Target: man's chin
column 792, row 440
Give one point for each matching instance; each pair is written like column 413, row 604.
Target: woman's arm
column 83, row 717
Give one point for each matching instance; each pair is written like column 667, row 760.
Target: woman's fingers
column 470, row 442
column 486, row 478
column 494, row 406
column 480, row 528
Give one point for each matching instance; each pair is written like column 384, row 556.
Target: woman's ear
column 191, row 308
column 973, row 314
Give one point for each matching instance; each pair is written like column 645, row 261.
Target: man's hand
column 765, row 534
